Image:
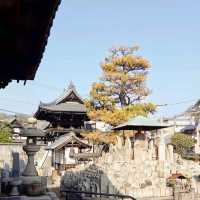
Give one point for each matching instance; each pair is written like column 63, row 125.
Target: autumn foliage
column 98, row 137
column 121, row 90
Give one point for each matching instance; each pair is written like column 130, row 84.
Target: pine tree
column 120, row 92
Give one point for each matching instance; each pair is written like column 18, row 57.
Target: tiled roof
column 69, row 101
column 66, row 139
column 66, row 107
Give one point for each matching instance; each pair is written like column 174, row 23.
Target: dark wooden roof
column 65, row 107
column 16, row 123
column 68, row 102
column 25, row 29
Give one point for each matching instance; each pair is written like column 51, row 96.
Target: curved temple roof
column 69, row 101
column 65, row 107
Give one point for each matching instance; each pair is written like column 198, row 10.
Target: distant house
column 188, row 123
column 17, row 128
column 98, row 125
column 183, row 124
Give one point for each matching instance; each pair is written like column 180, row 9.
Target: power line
column 177, row 103
column 18, row 100
column 159, row 105
column 13, row 112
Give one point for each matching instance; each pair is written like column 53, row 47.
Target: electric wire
column 51, row 87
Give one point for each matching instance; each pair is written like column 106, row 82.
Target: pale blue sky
column 168, row 33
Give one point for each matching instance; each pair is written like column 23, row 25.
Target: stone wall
column 6, row 155
column 139, row 173
column 8, row 150
column 142, row 176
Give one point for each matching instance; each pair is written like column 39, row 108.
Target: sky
column 168, row 33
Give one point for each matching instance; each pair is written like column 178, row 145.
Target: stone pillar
column 161, row 149
column 171, row 152
column 197, row 145
column 140, row 147
column 151, row 149
column 16, row 165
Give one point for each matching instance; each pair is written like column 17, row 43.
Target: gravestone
column 16, row 165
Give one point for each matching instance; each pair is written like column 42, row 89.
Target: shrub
column 5, row 133
column 182, row 143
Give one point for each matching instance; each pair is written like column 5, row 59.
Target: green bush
column 182, row 143
column 5, row 133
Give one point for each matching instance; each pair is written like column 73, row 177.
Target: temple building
column 64, row 148
column 65, row 118
column 64, row 114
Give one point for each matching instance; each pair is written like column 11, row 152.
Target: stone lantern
column 32, row 184
column 31, row 148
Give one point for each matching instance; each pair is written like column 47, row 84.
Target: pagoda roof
column 66, row 107
column 69, row 101
column 26, row 28
column 69, row 95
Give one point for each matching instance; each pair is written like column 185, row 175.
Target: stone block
column 34, row 186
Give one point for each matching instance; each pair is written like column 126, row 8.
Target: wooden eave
column 25, row 30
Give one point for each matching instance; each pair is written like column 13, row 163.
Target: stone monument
column 32, row 184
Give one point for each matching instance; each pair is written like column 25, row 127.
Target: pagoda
column 64, row 114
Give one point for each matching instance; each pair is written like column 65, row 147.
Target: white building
column 188, row 123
